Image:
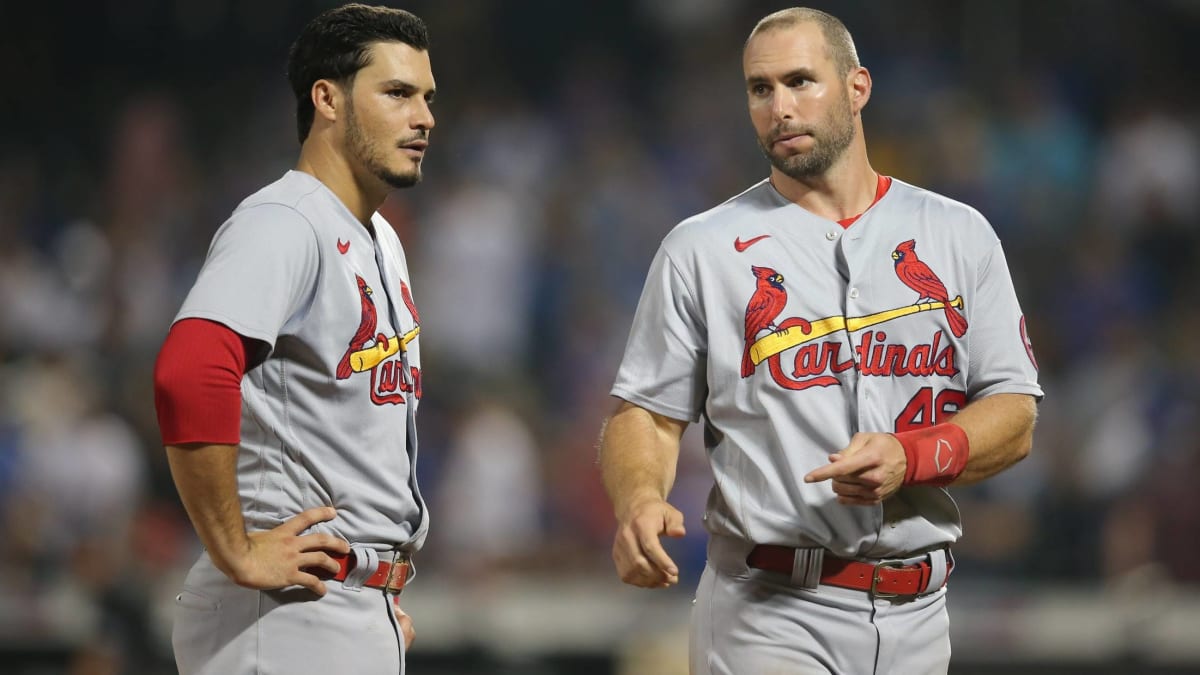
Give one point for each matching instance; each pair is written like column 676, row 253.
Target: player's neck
column 333, row 169
column 844, row 191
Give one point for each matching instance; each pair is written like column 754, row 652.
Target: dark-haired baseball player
column 853, row 346
column 287, row 387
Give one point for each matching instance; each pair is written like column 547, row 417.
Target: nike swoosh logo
column 343, row 246
column 743, row 245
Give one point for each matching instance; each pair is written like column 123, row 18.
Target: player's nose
column 423, row 116
column 783, row 103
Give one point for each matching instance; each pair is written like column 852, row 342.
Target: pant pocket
column 194, row 635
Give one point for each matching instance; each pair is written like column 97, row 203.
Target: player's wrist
column 934, row 455
column 232, row 556
column 635, row 504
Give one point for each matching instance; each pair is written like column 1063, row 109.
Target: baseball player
column 853, row 345
column 288, row 386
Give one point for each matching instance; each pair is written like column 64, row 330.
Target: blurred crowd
column 571, row 137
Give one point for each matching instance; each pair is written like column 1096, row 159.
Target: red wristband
column 936, row 455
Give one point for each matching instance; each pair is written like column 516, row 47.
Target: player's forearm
column 638, row 455
column 1000, row 431
column 206, row 478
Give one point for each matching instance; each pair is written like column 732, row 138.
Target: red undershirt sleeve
column 198, row 383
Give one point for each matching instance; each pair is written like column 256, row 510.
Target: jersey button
column 853, row 293
column 831, row 235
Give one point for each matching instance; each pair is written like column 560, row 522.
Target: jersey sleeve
column 664, row 366
column 198, row 383
column 1001, row 357
column 260, row 273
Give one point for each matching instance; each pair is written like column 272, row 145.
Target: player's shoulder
column 937, row 208
column 292, row 193
column 748, row 205
column 274, row 217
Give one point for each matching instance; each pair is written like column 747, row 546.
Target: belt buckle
column 399, row 561
column 876, row 578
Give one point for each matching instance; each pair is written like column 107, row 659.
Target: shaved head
column 837, row 38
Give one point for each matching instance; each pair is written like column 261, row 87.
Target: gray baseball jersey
column 327, row 419
column 788, row 334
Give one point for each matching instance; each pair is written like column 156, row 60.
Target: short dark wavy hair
column 336, row 45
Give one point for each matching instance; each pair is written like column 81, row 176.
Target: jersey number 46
column 926, row 410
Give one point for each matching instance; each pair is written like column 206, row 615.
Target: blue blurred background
column 571, row 137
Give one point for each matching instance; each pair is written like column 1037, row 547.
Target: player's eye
column 759, row 90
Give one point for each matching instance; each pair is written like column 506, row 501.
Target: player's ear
column 327, row 100
column 858, row 81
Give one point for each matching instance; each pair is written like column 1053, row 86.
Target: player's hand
column 637, row 551
column 406, row 624
column 866, row 472
column 283, row 556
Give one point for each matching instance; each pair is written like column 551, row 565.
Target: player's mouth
column 790, row 139
column 415, row 148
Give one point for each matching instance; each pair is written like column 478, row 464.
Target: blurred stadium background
column 570, row 138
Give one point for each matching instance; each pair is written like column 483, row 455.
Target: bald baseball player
column 287, row 387
column 853, row 346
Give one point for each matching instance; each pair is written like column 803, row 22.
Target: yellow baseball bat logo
column 783, row 340
column 366, row 359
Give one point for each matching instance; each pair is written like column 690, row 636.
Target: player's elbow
column 1023, row 444
column 1022, row 447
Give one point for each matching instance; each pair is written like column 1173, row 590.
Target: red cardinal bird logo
column 366, row 328
column 765, row 305
column 917, row 276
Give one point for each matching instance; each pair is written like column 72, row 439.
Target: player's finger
column 652, row 549
column 319, row 560
column 656, row 566
column 674, row 524
column 852, row 501
column 868, row 478
column 323, row 541
column 309, row 581
column 307, row 518
column 406, row 627
column 637, row 570
column 842, row 467
column 851, row 491
column 857, row 441
column 852, row 479
column 632, row 567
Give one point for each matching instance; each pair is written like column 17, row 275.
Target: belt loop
column 366, row 561
column 938, row 571
column 806, row 567
column 403, row 558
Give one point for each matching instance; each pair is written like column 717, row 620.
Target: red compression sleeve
column 936, row 455
column 198, row 384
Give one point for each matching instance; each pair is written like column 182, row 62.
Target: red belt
column 887, row 578
column 388, row 576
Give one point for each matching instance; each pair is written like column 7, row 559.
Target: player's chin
column 403, row 179
column 781, row 155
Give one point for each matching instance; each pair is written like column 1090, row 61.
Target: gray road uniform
column 327, row 419
column 787, row 334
